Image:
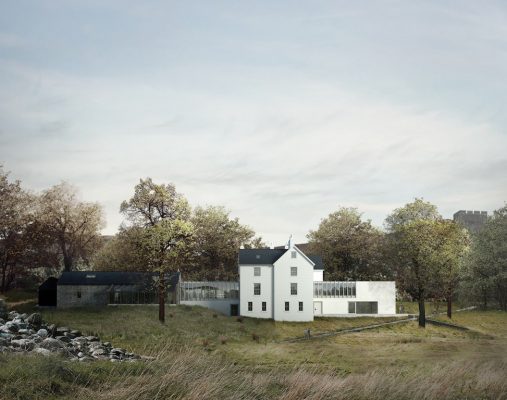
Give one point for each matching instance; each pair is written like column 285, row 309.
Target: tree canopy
column 350, row 247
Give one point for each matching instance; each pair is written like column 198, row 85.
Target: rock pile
column 22, row 332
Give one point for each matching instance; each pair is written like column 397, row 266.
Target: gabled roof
column 270, row 256
column 114, row 278
column 260, row 256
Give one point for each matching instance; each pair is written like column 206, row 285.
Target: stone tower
column 472, row 220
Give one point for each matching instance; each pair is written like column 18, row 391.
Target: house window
column 286, row 306
column 293, row 254
column 294, row 288
column 78, row 294
column 352, row 307
column 263, row 306
column 257, row 271
column 257, row 289
column 300, row 306
column 250, row 306
column 293, row 271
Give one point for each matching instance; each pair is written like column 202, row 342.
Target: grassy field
column 200, row 354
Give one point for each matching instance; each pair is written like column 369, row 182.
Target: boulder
column 64, row 339
column 23, row 344
column 40, row 350
column 51, row 344
column 43, row 333
column 35, row 319
column 12, row 326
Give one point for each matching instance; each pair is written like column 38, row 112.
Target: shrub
column 255, row 337
column 222, row 339
column 240, row 320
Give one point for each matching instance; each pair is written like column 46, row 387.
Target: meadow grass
column 203, row 356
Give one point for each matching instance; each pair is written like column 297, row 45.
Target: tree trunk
column 449, row 303
column 2, row 288
column 422, row 313
column 67, row 262
column 161, row 298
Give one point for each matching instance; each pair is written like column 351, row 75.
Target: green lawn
column 400, row 361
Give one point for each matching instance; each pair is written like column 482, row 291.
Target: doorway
column 234, row 310
column 317, row 308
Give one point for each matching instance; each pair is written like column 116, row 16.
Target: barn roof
column 99, row 278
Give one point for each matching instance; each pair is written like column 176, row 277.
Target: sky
column 281, row 111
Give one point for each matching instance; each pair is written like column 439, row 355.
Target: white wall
column 281, row 292
column 383, row 292
column 318, row 275
column 246, row 291
column 223, row 306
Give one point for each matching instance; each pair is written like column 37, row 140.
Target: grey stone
column 64, row 339
column 85, row 358
column 43, row 333
column 99, row 352
column 76, row 333
column 51, row 344
column 92, row 338
column 12, row 326
column 23, row 344
column 40, row 350
column 35, row 319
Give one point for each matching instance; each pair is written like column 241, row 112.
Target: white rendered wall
column 383, row 292
column 246, row 291
column 318, row 275
column 281, row 292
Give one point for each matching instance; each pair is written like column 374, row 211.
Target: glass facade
column 195, row 291
column 334, row 289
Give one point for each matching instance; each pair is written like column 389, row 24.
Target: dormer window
column 90, row 276
column 293, row 254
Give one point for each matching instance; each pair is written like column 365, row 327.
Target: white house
column 287, row 285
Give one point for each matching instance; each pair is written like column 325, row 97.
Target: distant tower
column 472, row 220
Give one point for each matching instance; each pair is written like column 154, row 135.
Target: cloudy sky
column 282, row 111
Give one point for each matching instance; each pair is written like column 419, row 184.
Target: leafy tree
column 450, row 259
column 413, row 238
column 70, row 227
column 217, row 238
column 350, row 247
column 15, row 218
column 486, row 273
column 162, row 217
column 122, row 252
column 417, row 210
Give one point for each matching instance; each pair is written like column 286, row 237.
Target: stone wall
column 82, row 295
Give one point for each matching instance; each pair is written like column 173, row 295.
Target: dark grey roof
column 317, row 260
column 270, row 256
column 114, row 278
column 260, row 256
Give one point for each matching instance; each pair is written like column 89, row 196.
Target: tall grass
column 191, row 375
